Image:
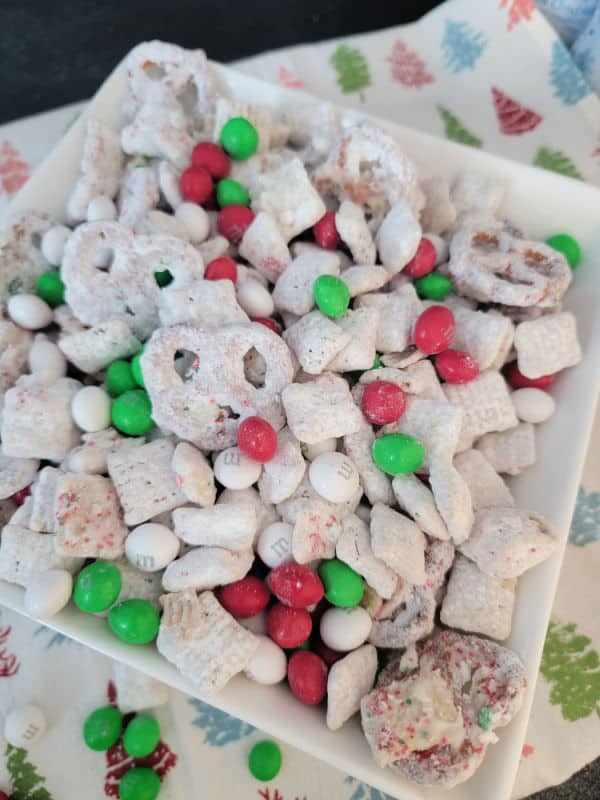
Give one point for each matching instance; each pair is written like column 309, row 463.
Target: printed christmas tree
column 513, row 117
column 462, row 45
column 14, row 172
column 518, row 11
column 456, row 131
column 219, row 728
column 572, row 668
column 556, row 161
column 352, row 69
column 25, row 782
column 407, row 67
column 585, row 525
column 569, row 84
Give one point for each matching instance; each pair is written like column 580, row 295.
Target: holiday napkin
column 493, row 75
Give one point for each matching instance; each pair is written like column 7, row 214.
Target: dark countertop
column 54, row 54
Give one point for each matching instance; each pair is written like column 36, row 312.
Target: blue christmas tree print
column 364, row 792
column 219, row 728
column 569, row 84
column 585, row 525
column 462, row 45
column 55, row 638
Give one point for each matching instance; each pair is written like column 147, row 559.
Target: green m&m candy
column 131, row 412
column 239, row 138
column 398, row 453
column 264, row 761
column 376, row 361
column 51, row 288
column 433, row 286
column 134, row 621
column 231, row 193
column 141, row 736
column 97, row 587
column 136, row 368
column 343, row 586
column 119, row 377
column 332, row 295
column 163, row 278
column 566, row 245
column 102, row 728
column 140, row 783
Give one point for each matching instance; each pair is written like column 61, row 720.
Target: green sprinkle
column 408, row 701
column 484, row 718
column 14, row 285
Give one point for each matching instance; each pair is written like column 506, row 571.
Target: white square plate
column 539, row 202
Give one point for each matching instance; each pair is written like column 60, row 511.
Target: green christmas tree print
column 572, row 668
column 456, row 131
column 25, row 782
column 352, row 69
column 556, row 161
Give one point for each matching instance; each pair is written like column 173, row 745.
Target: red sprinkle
column 212, row 158
column 423, row 261
column 288, row 627
column 383, row 402
column 519, row 381
column 325, row 232
column 296, row 585
column 456, row 366
column 221, row 269
column 307, row 676
column 233, row 221
column 434, row 330
column 268, row 323
column 257, row 439
column 196, row 185
column 22, row 495
column 244, row 598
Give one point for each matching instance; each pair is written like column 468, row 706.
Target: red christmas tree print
column 9, row 665
column 13, row 170
column 596, row 152
column 290, row 79
column 514, row 118
column 266, row 795
column 118, row 762
column 518, row 11
column 407, row 67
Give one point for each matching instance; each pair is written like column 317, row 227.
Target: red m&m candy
column 383, row 402
column 212, row 158
column 244, row 598
column 325, row 232
column 288, row 627
column 268, row 323
column 423, row 261
column 519, row 381
column 257, row 439
column 434, row 330
column 296, row 585
column 233, row 221
column 196, row 185
column 456, row 366
column 307, row 676
column 22, row 495
column 220, row 269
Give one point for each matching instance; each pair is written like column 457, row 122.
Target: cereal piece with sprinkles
column 24, row 552
column 349, row 680
column 87, row 516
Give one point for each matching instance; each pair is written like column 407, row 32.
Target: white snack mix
column 547, row 345
column 511, row 451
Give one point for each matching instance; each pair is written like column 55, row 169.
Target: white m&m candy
column 53, row 244
column 269, row 664
column 101, row 209
column 151, row 547
column 46, row 360
column 24, row 726
column 345, row 629
column 274, row 545
column 235, row 470
column 533, row 405
column 311, row 451
column 195, row 220
column 90, row 408
column 29, row 311
column 255, row 299
column 334, row 477
column 47, row 593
